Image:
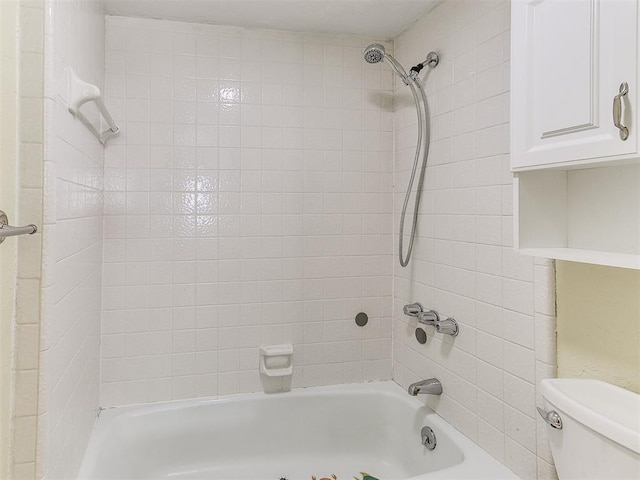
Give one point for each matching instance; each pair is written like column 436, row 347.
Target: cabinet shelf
column 586, row 215
column 618, row 161
column 597, row 257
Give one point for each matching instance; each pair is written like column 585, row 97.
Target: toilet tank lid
column 607, row 409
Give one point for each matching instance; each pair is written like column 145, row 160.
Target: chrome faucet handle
column 413, row 309
column 448, row 326
column 430, row 317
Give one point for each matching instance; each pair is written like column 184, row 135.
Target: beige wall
column 8, row 61
column 599, row 323
column 21, row 163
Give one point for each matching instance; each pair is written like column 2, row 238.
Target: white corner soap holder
column 276, row 360
column 81, row 92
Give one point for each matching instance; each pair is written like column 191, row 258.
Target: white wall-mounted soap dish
column 276, row 360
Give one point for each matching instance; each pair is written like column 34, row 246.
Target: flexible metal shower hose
column 424, row 137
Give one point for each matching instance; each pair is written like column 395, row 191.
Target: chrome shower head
column 374, row 53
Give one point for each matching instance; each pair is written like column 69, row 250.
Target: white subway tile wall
column 72, row 242
column 463, row 263
column 247, row 202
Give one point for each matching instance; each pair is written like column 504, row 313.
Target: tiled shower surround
column 251, row 199
column 68, row 400
column 464, row 265
column 247, row 202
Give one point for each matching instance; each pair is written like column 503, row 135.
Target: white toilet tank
column 600, row 434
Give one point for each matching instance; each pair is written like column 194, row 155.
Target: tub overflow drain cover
column 428, row 438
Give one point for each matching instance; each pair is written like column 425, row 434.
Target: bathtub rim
column 475, row 458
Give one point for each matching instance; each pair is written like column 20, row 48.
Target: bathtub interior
column 297, row 435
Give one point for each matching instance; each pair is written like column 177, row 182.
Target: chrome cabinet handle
column 7, row 230
column 551, row 417
column 617, row 111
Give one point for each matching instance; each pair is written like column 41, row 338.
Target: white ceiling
column 376, row 18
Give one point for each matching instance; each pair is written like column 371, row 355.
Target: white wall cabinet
column 569, row 58
column 576, row 178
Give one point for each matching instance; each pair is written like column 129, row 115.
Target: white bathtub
column 341, row 431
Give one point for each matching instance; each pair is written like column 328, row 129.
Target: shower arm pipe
column 432, row 61
column 414, row 85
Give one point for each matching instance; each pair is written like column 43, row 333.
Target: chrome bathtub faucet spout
column 430, row 386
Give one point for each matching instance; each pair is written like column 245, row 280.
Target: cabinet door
column 568, row 60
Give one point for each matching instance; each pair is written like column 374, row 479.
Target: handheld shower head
column 374, row 53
